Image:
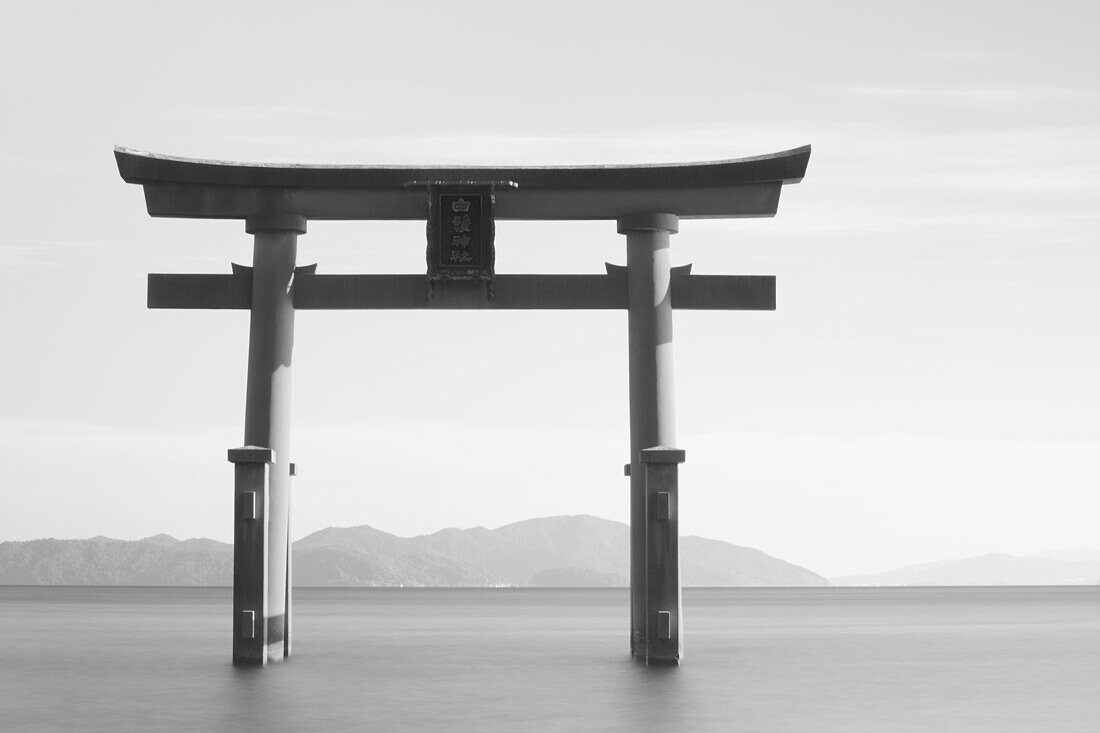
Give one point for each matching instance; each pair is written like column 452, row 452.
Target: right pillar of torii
column 655, row 598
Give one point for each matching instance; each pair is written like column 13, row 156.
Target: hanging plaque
column 460, row 232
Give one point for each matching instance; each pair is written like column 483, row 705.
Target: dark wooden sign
column 460, row 232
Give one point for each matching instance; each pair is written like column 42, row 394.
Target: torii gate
column 460, row 205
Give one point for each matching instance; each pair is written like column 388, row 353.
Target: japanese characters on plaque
column 460, row 232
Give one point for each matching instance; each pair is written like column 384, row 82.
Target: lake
column 813, row 659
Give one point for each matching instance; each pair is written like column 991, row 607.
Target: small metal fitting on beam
column 248, row 624
column 248, row 505
column 664, row 506
column 664, row 624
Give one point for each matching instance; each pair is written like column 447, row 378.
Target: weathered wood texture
column 511, row 292
column 189, row 188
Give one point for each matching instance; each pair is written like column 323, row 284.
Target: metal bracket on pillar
column 664, row 605
column 250, row 501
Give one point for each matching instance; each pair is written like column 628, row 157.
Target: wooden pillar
column 664, row 603
column 251, row 469
column 652, row 415
column 267, row 404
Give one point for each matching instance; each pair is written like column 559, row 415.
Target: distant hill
column 575, row 550
column 159, row 560
column 567, row 551
column 992, row 569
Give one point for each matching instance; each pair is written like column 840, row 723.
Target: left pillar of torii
column 261, row 554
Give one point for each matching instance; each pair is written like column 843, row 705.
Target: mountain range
column 566, row 551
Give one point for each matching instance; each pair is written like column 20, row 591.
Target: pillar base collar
column 663, row 454
column 251, row 454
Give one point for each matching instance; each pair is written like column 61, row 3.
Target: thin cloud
column 16, row 254
column 964, row 55
column 221, row 115
column 999, row 94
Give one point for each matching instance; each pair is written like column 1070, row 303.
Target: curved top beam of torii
column 204, row 189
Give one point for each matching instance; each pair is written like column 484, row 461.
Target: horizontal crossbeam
column 510, row 292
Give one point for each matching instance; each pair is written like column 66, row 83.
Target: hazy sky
column 927, row 388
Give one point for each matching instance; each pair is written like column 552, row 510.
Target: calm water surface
column 831, row 659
